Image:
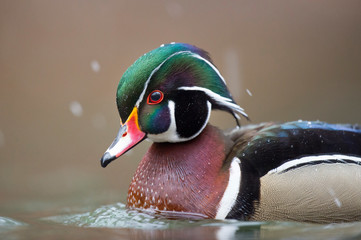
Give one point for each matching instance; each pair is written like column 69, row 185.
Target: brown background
column 299, row 59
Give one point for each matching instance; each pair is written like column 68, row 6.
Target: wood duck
column 295, row 171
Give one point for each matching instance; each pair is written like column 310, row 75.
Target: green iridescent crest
column 169, row 67
column 187, row 70
column 133, row 80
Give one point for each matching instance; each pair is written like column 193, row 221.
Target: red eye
column 155, row 97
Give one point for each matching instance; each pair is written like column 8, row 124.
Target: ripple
column 8, row 224
column 118, row 216
column 112, row 216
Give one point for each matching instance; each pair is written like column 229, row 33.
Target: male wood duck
column 296, row 171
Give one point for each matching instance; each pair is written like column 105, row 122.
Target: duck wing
column 301, row 171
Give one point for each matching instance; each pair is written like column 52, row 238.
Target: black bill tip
column 106, row 159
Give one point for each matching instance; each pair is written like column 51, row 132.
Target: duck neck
column 182, row 177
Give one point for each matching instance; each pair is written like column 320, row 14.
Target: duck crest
column 182, row 177
column 135, row 78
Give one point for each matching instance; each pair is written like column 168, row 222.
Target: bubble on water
column 95, row 65
column 76, row 108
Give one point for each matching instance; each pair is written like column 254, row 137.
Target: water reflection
column 116, row 220
column 8, row 224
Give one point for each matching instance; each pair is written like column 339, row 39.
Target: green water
column 114, row 221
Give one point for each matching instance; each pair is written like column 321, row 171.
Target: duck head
column 167, row 96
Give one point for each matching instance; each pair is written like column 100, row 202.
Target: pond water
column 114, row 221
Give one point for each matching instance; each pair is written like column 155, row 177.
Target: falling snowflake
column 95, row 65
column 249, row 92
column 76, row 108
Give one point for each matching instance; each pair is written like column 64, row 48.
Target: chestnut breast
column 182, row 177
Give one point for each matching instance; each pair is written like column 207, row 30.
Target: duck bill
column 128, row 136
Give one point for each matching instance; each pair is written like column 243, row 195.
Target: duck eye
column 155, row 97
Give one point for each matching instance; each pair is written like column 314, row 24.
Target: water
column 114, row 221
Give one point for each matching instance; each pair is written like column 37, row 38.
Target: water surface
column 115, row 221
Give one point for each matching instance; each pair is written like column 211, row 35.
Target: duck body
column 298, row 171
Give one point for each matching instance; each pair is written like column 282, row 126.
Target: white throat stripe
column 231, row 193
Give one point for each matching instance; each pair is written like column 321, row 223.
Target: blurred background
column 60, row 63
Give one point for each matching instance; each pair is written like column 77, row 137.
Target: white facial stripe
column 230, row 194
column 213, row 95
column 218, row 98
column 310, row 159
column 171, row 134
column 160, row 65
column 153, row 72
column 211, row 65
